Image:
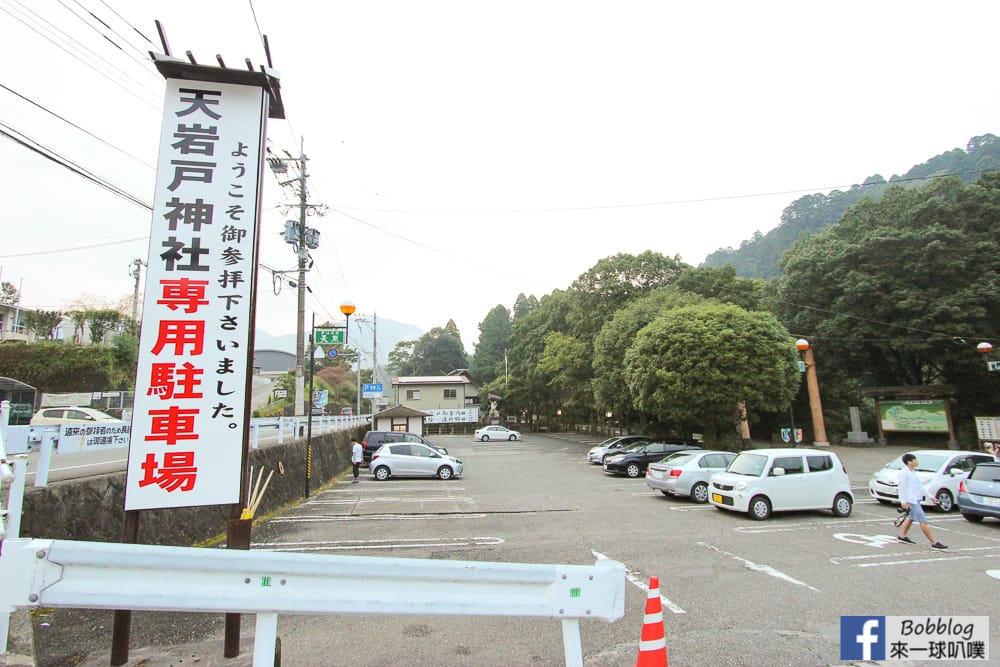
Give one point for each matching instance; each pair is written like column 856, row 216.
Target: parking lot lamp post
column 559, row 420
column 608, row 416
column 812, row 383
column 348, row 308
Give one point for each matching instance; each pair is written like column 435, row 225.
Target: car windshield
column 677, row 458
column 634, row 446
column 925, row 462
column 748, row 464
column 609, row 441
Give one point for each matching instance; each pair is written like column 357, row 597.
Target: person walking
column 357, row 454
column 911, row 493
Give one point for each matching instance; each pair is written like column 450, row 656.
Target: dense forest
column 891, row 290
column 759, row 256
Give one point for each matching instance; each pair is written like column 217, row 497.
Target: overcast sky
column 471, row 151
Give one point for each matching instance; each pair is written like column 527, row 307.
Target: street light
column 348, row 308
column 812, row 383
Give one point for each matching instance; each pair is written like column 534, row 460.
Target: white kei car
column 496, row 432
column 762, row 481
column 939, row 470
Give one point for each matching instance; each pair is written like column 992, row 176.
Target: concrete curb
column 20, row 645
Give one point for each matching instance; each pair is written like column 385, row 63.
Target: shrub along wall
column 93, row 509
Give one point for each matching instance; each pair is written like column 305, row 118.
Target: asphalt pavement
column 737, row 592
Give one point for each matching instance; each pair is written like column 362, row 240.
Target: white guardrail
column 100, row 575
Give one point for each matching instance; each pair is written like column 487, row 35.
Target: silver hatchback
column 687, row 473
column 410, row 459
column 979, row 493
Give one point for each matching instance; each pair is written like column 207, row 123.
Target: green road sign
column 328, row 336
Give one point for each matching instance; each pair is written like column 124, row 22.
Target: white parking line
column 631, row 576
column 766, row 569
column 815, row 525
column 386, row 499
column 344, row 545
column 909, row 558
column 381, row 487
column 374, row 517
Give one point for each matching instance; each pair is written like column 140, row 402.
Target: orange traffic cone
column 653, row 643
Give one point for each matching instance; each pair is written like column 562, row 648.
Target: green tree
column 614, row 340
column 566, row 361
column 8, row 294
column 437, row 352
column 612, row 283
column 721, row 284
column 524, row 305
column 102, row 321
column 901, row 290
column 42, row 322
column 494, row 340
column 693, row 365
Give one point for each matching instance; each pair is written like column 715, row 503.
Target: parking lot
column 735, row 591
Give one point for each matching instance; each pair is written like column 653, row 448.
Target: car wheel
column 760, row 508
column 485, row 438
column 699, row 492
column 947, row 502
column 842, row 505
column 444, row 472
column 974, row 518
column 513, row 437
column 381, row 473
column 633, row 470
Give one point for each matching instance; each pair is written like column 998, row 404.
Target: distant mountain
column 758, row 256
column 389, row 332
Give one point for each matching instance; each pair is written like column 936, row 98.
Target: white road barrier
column 100, row 575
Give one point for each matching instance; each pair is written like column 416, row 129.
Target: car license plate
column 657, row 474
column 991, row 501
column 716, row 497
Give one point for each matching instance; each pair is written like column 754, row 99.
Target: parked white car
column 70, row 415
column 495, row 432
column 409, row 459
column 762, row 481
column 939, row 470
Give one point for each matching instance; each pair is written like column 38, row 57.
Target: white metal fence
column 98, row 575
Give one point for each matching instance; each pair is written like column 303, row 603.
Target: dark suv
column 375, row 439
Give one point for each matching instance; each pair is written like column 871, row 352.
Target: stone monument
column 856, row 437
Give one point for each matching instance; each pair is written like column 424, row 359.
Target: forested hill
column 758, row 257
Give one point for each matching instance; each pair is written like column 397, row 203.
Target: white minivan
column 762, row 481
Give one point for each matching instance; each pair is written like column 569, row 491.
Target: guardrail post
column 265, row 637
column 572, row 647
column 15, row 498
column 255, row 437
column 45, row 458
column 281, row 430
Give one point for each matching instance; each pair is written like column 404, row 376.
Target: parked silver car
column 409, row 459
column 687, row 473
column 979, row 493
column 613, row 446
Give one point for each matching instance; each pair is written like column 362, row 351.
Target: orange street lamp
column 347, row 308
column 985, row 347
column 812, row 382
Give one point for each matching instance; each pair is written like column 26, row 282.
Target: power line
column 74, row 248
column 69, row 122
column 62, row 161
column 77, row 57
column 115, row 32
column 672, row 202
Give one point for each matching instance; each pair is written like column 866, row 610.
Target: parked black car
column 375, row 439
column 634, row 460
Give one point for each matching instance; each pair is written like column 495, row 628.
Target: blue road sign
column 332, row 353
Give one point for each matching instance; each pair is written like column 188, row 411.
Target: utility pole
column 300, row 240
column 303, row 257
column 135, row 271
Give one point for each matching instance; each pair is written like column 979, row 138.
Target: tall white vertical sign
column 190, row 390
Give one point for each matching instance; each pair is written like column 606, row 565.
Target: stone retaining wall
column 92, row 509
